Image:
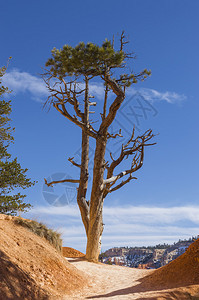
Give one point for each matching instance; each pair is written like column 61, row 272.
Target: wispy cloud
column 145, row 215
column 125, row 225
column 153, row 95
column 97, row 90
column 68, row 210
column 21, row 82
column 154, row 215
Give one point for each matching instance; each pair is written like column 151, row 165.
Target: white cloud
column 154, row 95
column 97, row 90
column 143, row 229
column 124, row 225
column 153, row 214
column 132, row 231
column 73, row 231
column 21, row 82
column 69, row 210
column 135, row 214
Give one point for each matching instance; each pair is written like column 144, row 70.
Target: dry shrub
column 41, row 230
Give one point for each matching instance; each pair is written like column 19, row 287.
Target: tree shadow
column 171, row 295
column 143, row 285
column 15, row 284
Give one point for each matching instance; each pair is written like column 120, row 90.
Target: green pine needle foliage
column 53, row 237
column 89, row 59
column 12, row 176
column 92, row 60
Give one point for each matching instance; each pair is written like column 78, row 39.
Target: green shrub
column 41, row 230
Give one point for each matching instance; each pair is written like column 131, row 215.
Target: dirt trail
column 116, row 282
column 31, row 269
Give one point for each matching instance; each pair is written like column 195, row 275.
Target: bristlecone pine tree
column 11, row 174
column 68, row 76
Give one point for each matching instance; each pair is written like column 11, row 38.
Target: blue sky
column 162, row 205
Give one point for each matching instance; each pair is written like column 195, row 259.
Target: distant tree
column 68, row 76
column 11, row 174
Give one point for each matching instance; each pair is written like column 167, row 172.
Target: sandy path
column 115, row 282
column 108, row 282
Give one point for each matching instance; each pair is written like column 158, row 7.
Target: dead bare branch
column 111, row 156
column 61, row 181
column 121, row 184
column 122, row 41
column 109, row 135
column 106, row 122
column 113, row 179
column 65, row 113
column 133, row 147
column 70, row 159
column 105, row 102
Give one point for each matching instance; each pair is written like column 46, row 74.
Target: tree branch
column 106, row 122
column 113, row 179
column 61, row 181
column 105, row 102
column 121, row 184
column 122, row 42
column 70, row 159
column 75, row 120
column 109, row 135
column 134, row 147
column 66, row 94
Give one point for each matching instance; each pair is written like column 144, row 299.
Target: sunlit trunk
column 96, row 203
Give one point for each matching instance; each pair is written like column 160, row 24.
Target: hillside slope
column 182, row 271
column 70, row 252
column 30, row 268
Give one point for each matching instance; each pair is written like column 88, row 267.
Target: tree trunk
column 96, row 203
column 82, row 190
column 94, row 237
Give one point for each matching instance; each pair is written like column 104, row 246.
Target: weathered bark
column 81, row 195
column 93, row 247
column 96, row 202
column 82, row 189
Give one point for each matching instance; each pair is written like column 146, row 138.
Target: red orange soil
column 183, row 271
column 70, row 252
column 30, row 268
